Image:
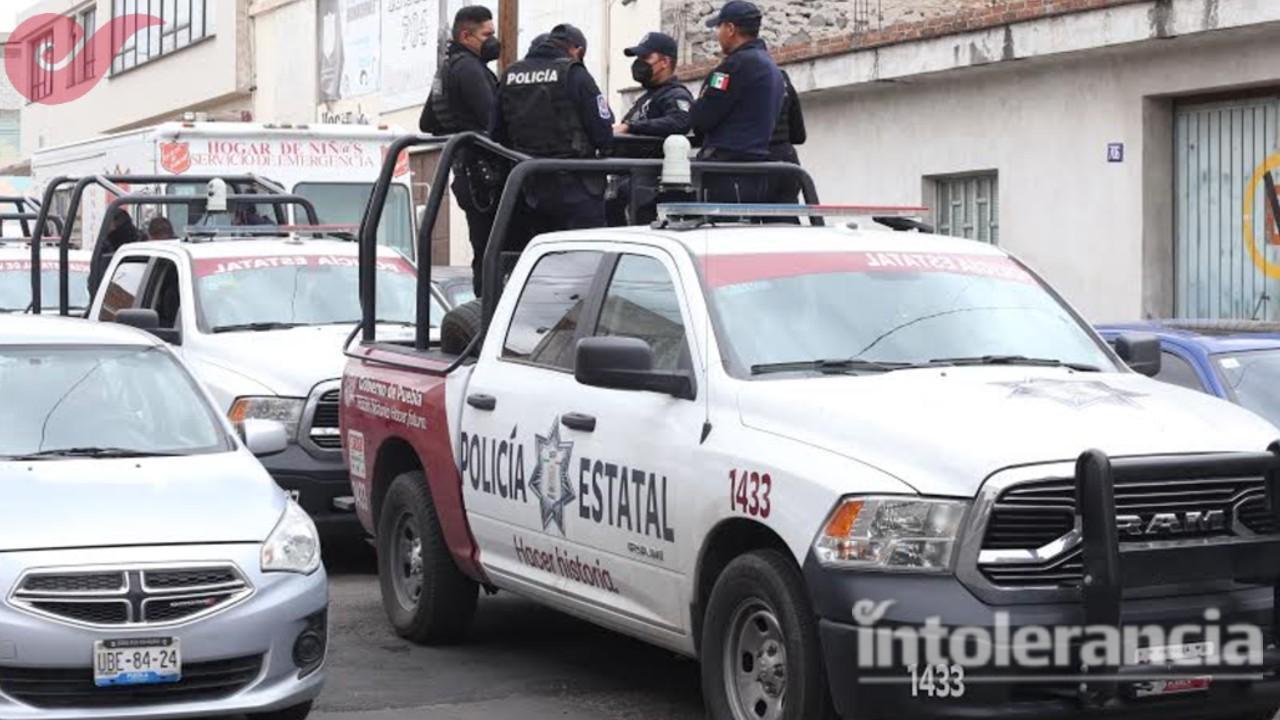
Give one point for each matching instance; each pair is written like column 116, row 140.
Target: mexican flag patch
column 719, row 81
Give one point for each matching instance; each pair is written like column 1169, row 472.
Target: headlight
column 891, row 533
column 286, row 411
column 294, row 546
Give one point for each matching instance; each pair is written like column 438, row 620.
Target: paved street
column 522, row 661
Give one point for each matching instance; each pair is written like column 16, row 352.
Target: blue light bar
column 765, row 210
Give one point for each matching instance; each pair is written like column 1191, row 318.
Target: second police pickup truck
column 800, row 453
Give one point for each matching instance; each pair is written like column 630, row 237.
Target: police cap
column 738, row 12
column 655, row 42
column 569, row 34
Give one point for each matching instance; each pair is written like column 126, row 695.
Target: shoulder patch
column 719, row 81
column 684, row 105
column 602, row 103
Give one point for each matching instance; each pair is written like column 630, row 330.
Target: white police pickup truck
column 800, row 453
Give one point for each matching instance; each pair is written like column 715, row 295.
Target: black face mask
column 642, row 72
column 491, row 50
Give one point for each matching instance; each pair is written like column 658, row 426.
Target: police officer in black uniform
column 663, row 110
column 789, row 132
column 739, row 105
column 462, row 99
column 549, row 106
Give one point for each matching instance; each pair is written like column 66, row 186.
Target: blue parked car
column 1232, row 359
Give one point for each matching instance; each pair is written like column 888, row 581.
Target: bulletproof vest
column 441, row 103
column 541, row 117
column 782, row 130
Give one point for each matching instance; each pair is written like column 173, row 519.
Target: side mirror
column 264, row 437
column 149, row 320
column 1141, row 353
column 622, row 363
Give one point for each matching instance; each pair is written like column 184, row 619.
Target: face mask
column 491, row 49
column 641, row 71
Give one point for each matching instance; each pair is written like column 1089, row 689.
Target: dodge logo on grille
column 1172, row 524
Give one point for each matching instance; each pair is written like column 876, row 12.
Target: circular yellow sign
column 1258, row 254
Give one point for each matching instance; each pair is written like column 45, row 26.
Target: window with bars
column 41, row 76
column 185, row 22
column 84, row 65
column 968, row 206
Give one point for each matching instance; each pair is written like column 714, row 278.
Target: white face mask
column 329, row 34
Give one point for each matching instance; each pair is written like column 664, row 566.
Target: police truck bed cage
column 26, row 218
column 525, row 171
column 248, row 189
column 689, row 216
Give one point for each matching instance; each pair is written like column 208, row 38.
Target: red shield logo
column 175, row 157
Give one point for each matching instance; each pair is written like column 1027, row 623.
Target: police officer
column 739, row 105
column 549, row 106
column 789, row 132
column 663, row 110
column 462, row 99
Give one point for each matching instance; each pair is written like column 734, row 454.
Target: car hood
column 60, row 504
column 288, row 363
column 944, row 432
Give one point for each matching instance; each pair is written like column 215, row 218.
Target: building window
column 41, row 66
column 84, row 65
column 185, row 23
column 968, row 206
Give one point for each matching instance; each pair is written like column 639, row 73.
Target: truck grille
column 128, row 597
column 324, row 432
column 1033, row 515
column 74, row 688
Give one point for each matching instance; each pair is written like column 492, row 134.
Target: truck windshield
column 75, row 402
column 1254, row 379
column 881, row 311
column 15, row 286
column 267, row 293
column 343, row 204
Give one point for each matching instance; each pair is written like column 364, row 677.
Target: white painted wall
column 1101, row 233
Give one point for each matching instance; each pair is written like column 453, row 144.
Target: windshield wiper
column 1016, row 360
column 90, row 452
column 257, row 327
column 831, row 367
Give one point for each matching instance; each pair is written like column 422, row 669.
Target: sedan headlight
column 893, row 533
column 286, row 411
column 294, row 546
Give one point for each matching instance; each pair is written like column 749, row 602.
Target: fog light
column 309, row 648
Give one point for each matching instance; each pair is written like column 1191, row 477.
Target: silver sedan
column 149, row 566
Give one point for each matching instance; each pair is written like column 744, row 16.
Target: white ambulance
column 334, row 166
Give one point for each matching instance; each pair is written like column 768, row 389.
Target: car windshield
column 1254, row 379
column 264, row 293
column 61, row 402
column 881, row 311
column 15, row 285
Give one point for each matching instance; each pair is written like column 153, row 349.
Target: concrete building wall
column 1100, row 231
column 154, row 91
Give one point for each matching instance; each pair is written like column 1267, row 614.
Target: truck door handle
column 578, row 421
column 488, row 403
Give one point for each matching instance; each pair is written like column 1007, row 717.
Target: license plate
column 1177, row 686
column 140, row 661
column 1176, row 654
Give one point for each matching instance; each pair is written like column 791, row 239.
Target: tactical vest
column 541, row 117
column 441, row 103
column 782, row 130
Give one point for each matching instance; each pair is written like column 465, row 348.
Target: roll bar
column 526, row 169
column 271, row 193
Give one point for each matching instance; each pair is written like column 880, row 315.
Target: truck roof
column 32, row 330
column 732, row 239
column 172, row 130
column 261, row 247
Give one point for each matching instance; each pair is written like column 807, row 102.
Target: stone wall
column 801, row 29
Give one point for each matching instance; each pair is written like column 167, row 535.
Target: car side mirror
column 264, row 437
column 623, row 363
column 1141, row 353
column 149, row 321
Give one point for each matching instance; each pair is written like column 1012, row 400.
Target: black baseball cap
column 654, row 42
column 738, row 12
column 569, row 34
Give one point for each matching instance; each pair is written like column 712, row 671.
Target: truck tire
column 427, row 599
column 460, row 326
column 761, row 658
